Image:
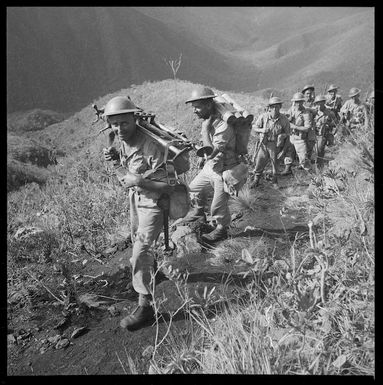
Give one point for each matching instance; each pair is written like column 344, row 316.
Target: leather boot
column 255, row 182
column 287, row 170
column 274, row 180
column 215, row 235
column 142, row 316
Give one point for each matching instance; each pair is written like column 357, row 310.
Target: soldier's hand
column 128, row 180
column 110, row 153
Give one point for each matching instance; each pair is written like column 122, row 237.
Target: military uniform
column 268, row 142
column 355, row 113
column 142, row 156
column 324, row 122
column 222, row 137
column 334, row 105
column 301, row 118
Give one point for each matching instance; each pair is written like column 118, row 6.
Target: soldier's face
column 298, row 104
column 202, row 108
column 355, row 98
column 307, row 94
column 274, row 110
column 123, row 125
column 332, row 94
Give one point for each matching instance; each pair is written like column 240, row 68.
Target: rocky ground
column 85, row 338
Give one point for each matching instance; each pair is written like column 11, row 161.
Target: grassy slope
column 335, row 337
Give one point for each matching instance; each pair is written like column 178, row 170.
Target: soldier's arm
column 258, row 127
column 222, row 135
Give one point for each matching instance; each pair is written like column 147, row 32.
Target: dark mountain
column 62, row 58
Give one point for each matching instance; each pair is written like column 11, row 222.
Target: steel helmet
column 298, row 97
column 353, row 92
column 320, row 98
column 120, row 105
column 332, row 88
column 274, row 100
column 201, row 94
column 372, row 95
column 307, row 87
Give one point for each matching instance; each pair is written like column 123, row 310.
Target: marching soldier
column 334, row 102
column 324, row 122
column 309, row 94
column 270, row 125
column 221, row 137
column 138, row 154
column 301, row 122
column 354, row 112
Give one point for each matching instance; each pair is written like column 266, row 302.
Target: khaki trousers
column 202, row 185
column 266, row 151
column 146, row 221
column 300, row 147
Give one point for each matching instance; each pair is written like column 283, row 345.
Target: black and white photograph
column 190, row 190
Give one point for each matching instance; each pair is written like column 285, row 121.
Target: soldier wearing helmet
column 301, row 122
column 271, row 125
column 138, row 154
column 324, row 123
column 353, row 112
column 334, row 102
column 219, row 135
column 308, row 92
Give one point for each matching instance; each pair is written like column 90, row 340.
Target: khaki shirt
column 324, row 122
column 275, row 127
column 142, row 155
column 355, row 112
column 302, row 118
column 222, row 137
column 334, row 104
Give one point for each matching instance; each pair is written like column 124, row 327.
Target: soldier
column 221, row 136
column 324, row 122
column 300, row 120
column 309, row 94
column 370, row 105
column 334, row 102
column 271, row 125
column 138, row 154
column 354, row 112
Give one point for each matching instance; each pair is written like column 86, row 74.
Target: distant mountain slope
column 61, row 58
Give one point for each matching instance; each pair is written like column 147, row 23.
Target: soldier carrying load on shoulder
column 270, row 125
column 354, row 111
column 324, row 123
column 301, row 122
column 219, row 135
column 138, row 161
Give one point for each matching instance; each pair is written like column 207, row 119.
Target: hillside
column 291, row 291
column 77, row 134
column 86, row 52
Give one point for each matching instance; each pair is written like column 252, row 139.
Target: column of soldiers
column 300, row 133
column 304, row 131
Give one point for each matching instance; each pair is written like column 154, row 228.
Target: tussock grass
column 313, row 315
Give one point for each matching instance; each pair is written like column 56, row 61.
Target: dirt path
column 105, row 348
